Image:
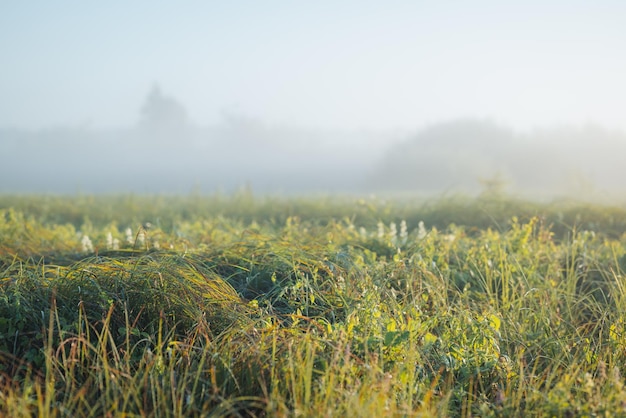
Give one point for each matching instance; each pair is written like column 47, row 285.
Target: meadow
column 327, row 306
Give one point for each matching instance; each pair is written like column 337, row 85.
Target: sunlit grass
column 268, row 309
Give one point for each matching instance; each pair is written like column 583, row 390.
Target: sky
column 323, row 64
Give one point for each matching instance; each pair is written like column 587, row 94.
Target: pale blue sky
column 325, row 64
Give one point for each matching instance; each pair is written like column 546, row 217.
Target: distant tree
column 162, row 113
column 447, row 156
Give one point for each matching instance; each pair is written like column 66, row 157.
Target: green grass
column 243, row 306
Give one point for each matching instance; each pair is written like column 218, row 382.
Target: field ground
column 248, row 306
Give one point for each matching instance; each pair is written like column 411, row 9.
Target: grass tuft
column 208, row 307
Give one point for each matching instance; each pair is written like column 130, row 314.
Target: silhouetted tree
column 447, row 156
column 162, row 113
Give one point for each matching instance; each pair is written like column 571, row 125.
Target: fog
column 425, row 98
column 475, row 156
column 164, row 152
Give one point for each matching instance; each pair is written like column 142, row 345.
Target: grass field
column 328, row 306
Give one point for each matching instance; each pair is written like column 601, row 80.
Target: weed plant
column 266, row 307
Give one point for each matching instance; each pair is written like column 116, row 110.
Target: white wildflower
column 363, row 232
column 393, row 232
column 381, row 230
column 116, row 244
column 86, row 244
column 109, row 241
column 403, row 232
column 141, row 237
column 156, row 245
column 421, row 230
column 129, row 236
